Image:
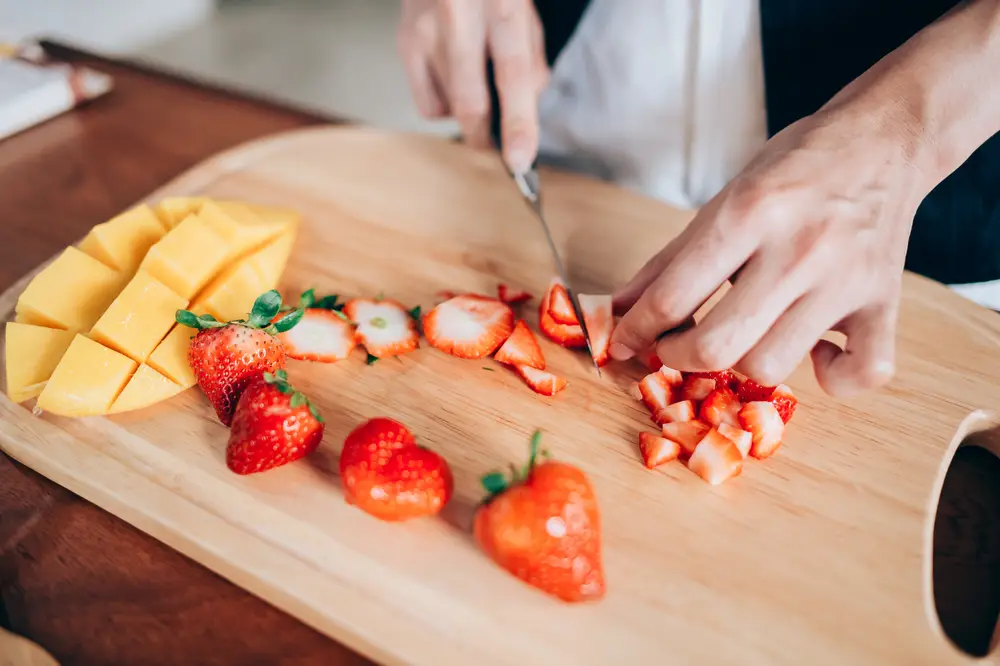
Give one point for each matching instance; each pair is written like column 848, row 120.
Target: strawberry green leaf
column 488, row 369
column 200, row 322
column 343, row 316
column 415, row 313
column 307, row 299
column 536, row 440
column 287, row 322
column 297, row 400
column 268, row 377
column 494, row 483
column 264, row 309
column 326, row 303
column 315, row 412
column 371, row 359
column 281, row 374
column 380, row 297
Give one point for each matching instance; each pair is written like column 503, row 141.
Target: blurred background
column 337, row 57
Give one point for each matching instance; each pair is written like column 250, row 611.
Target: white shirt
column 666, row 97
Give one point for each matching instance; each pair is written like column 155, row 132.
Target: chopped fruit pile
column 543, row 525
column 712, row 420
column 94, row 331
column 386, row 474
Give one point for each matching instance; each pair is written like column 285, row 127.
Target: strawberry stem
column 265, row 308
column 496, row 482
column 371, row 359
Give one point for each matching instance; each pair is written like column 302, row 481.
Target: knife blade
column 530, row 187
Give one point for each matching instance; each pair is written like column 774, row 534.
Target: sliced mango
column 139, row 318
column 239, row 226
column 123, row 241
column 188, row 257
column 32, row 354
column 172, row 210
column 286, row 216
column 87, row 380
column 70, row 293
column 270, row 260
column 146, row 387
column 232, row 294
column 171, row 356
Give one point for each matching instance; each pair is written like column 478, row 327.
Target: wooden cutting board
column 821, row 555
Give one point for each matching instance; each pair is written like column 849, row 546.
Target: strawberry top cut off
column 226, row 356
column 543, row 526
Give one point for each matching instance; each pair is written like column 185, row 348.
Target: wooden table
column 93, row 590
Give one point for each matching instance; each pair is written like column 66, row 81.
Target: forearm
column 940, row 91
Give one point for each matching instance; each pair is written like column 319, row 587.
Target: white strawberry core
column 381, row 323
column 464, row 322
column 319, row 335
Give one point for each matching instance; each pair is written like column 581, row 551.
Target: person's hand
column 445, row 45
column 813, row 234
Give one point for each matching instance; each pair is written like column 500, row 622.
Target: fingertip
column 824, row 354
column 620, row 352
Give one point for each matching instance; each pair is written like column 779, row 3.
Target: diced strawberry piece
column 783, row 399
column 721, row 406
column 566, row 335
column 686, row 433
column 716, row 458
column 511, row 296
column 741, row 438
column 696, row 388
column 751, row 391
column 657, row 390
column 469, row 326
column 384, row 326
column 651, row 361
column 521, row 348
column 541, row 381
column 321, row 335
column 600, row 324
column 762, row 420
column 561, row 306
column 725, row 378
column 657, row 450
column 678, row 411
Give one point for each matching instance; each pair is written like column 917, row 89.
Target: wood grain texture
column 821, row 555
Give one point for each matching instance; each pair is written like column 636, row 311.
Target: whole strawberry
column 225, row 356
column 544, row 527
column 387, row 475
column 273, row 425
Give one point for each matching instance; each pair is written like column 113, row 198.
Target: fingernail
column 518, row 157
column 620, row 352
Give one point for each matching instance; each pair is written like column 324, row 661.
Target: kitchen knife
column 530, row 186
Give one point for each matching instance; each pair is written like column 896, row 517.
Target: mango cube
column 172, row 210
column 70, row 293
column 123, row 241
column 286, row 216
column 139, row 318
column 147, row 387
column 270, row 260
column 32, row 354
column 87, row 380
column 171, row 356
column 232, row 294
column 239, row 226
column 188, row 257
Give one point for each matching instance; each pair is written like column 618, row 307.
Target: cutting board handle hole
column 966, row 544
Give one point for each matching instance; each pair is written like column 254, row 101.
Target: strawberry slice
column 741, row 438
column 561, row 306
column 600, row 324
column 511, row 296
column 658, row 388
column 657, row 450
column 321, row 335
column 716, row 458
column 384, row 326
column 686, row 433
column 540, row 381
column 721, row 406
column 521, row 348
column 696, row 388
column 762, row 420
column 566, row 335
column 783, row 399
column 679, row 411
column 469, row 326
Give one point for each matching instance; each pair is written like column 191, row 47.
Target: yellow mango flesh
column 139, row 318
column 123, row 241
column 188, row 257
column 32, row 354
column 87, row 380
column 70, row 293
column 146, row 387
column 89, row 339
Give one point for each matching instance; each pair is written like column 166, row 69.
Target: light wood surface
column 820, row 555
column 19, row 651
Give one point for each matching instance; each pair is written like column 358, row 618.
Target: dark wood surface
column 93, row 590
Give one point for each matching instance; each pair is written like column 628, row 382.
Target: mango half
column 94, row 331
